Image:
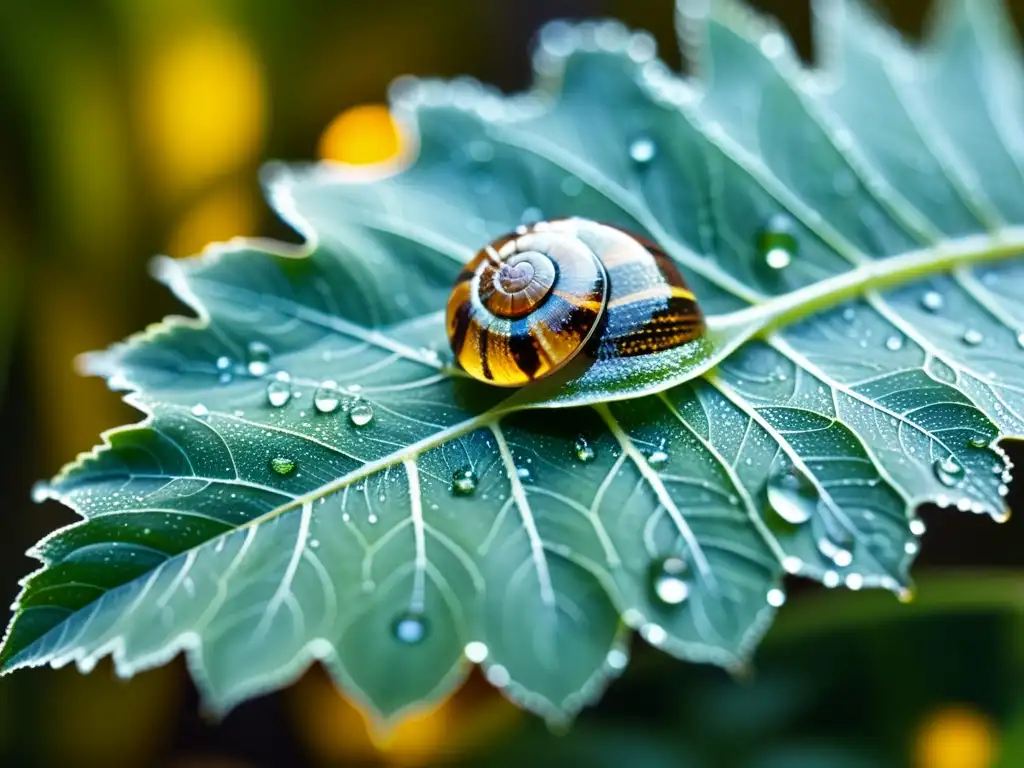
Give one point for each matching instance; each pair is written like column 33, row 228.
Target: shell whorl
column 530, row 301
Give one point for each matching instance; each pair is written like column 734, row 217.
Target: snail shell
column 531, row 301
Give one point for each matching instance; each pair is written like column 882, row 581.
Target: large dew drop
column 257, row 358
column 791, row 495
column 932, row 301
column 894, row 343
column 360, row 414
column 476, row 651
column 643, row 150
column 583, row 450
column 658, row 458
column 669, row 580
column 326, row 399
column 410, row 629
column 972, row 337
column 278, row 392
column 948, row 471
column 282, row 465
column 464, row 482
column 776, row 243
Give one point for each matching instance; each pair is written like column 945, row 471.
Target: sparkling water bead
column 464, row 482
column 282, row 465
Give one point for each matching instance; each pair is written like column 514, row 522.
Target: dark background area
column 135, row 127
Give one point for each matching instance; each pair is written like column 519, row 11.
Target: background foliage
column 136, row 128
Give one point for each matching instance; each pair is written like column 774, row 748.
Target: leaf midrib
column 732, row 329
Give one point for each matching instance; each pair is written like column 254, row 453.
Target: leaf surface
column 315, row 481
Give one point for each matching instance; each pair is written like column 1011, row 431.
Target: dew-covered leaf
column 314, row 480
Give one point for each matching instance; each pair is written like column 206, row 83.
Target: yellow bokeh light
column 338, row 731
column 202, row 107
column 956, row 737
column 226, row 212
column 361, row 135
column 417, row 739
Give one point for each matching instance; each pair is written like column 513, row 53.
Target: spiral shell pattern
column 526, row 304
column 531, row 301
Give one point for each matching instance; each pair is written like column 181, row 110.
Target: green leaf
column 315, row 481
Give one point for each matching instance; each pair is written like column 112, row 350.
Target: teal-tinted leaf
column 315, row 481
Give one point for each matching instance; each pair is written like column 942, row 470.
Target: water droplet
column 571, row 186
column 917, row 526
column 476, row 651
column 200, row 411
column 792, row 564
column 932, row 301
column 532, row 215
column 837, row 551
column 410, row 628
column 278, row 393
column 791, row 495
column 642, row 150
column 772, row 45
column 654, row 634
column 978, row 442
column 948, row 471
column 669, row 582
column 584, row 450
column 361, row 414
column 223, row 363
column 973, row 337
column 257, row 358
column 854, row 581
column 894, row 343
column 41, row 492
column 282, row 465
column 498, row 676
column 480, row 151
column 463, row 482
column 776, row 243
column 314, row 543
column 524, row 475
column 776, row 597
column 617, row 658
column 326, row 399
column 658, row 458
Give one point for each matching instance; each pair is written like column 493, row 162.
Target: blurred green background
column 135, row 127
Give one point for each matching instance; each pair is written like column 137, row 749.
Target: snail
column 530, row 301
